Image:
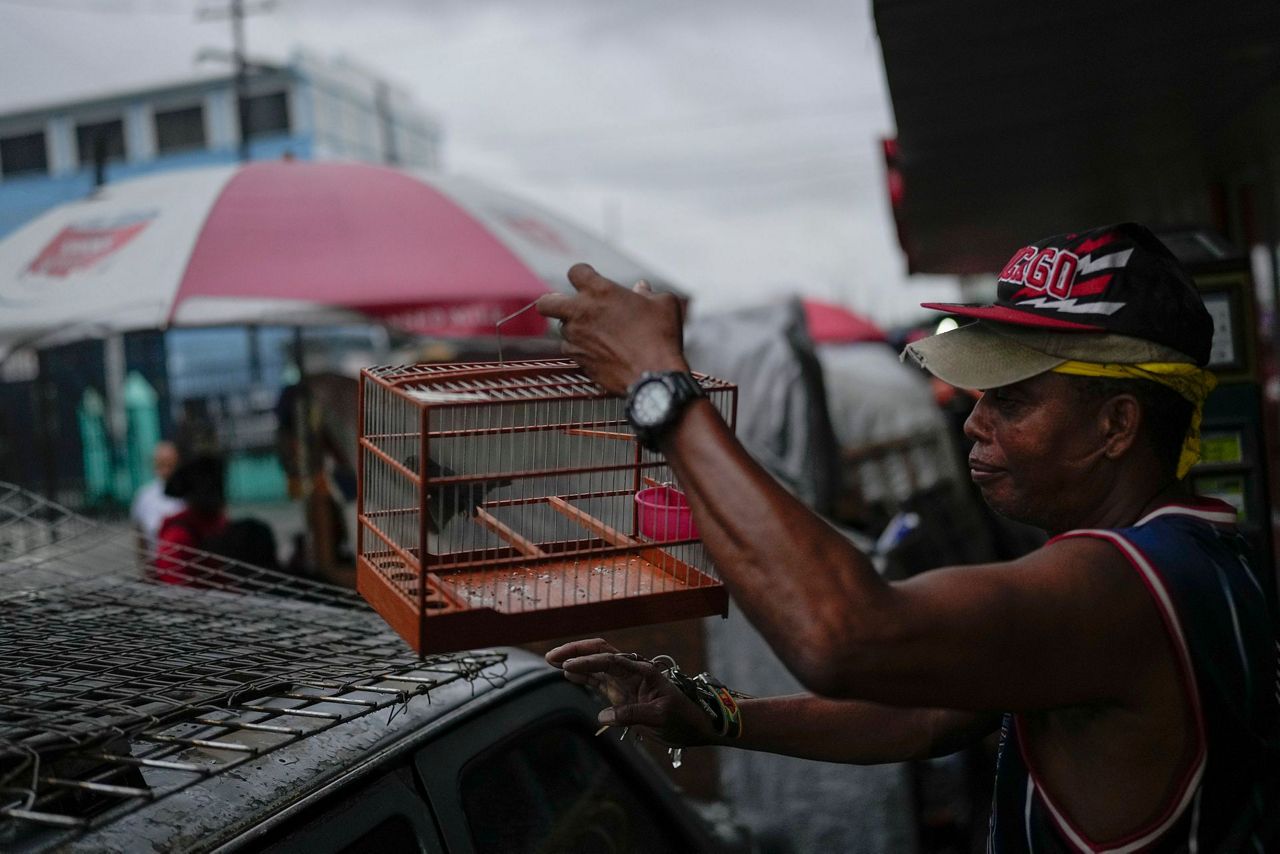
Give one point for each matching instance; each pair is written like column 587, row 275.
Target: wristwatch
column 655, row 401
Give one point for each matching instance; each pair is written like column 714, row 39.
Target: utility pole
column 382, row 106
column 242, row 75
column 241, row 66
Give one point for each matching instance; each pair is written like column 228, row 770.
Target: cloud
column 732, row 144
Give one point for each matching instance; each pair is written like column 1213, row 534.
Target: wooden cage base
column 470, row 608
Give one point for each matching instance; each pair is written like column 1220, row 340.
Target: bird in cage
column 444, row 503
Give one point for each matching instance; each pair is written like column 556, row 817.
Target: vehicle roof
column 221, row 807
column 138, row 714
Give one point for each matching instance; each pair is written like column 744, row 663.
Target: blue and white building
column 306, row 108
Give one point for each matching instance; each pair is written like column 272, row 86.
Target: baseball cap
column 1111, row 294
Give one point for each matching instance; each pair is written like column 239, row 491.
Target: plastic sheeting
column 874, row 398
column 782, row 411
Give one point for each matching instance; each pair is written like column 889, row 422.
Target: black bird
column 444, row 501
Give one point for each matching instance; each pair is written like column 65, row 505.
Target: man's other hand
column 638, row 693
column 617, row 334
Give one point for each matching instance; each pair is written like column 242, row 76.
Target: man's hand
column 636, row 689
column 617, row 334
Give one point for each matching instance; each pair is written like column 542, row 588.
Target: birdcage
column 504, row 503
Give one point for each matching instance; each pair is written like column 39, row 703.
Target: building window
column 105, row 136
column 25, row 154
column 267, row 115
column 180, row 130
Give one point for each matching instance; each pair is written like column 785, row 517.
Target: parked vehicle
column 259, row 712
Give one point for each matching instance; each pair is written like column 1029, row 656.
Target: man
column 150, row 505
column 1129, row 664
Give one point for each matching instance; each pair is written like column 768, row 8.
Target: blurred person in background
column 316, row 438
column 199, row 484
column 151, row 505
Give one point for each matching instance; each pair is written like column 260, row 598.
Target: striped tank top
column 1196, row 566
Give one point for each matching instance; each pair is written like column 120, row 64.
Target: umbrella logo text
column 83, row 244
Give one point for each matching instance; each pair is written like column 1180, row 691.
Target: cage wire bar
column 502, row 503
column 117, row 690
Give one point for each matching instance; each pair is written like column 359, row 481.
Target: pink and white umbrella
column 292, row 242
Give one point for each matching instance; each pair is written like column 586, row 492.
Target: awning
column 1018, row 120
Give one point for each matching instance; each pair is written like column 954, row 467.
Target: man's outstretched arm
column 856, row 731
column 1029, row 634
column 801, row 725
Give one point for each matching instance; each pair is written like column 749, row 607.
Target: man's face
column 1035, row 442
column 165, row 461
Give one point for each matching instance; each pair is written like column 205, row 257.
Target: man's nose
column 976, row 426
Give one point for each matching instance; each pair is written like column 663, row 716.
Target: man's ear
column 1120, row 418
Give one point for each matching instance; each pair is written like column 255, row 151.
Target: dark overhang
column 1016, row 120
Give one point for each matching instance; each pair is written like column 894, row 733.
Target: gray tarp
column 875, row 399
column 782, row 409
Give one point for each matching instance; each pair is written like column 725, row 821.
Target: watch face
column 651, row 403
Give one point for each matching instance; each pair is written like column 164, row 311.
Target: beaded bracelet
column 709, row 694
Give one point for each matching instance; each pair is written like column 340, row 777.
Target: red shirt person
column 199, row 483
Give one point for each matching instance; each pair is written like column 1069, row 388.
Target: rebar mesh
column 516, row 489
column 117, row 690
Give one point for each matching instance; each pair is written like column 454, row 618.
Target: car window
column 393, row 835
column 384, row 815
column 552, row 791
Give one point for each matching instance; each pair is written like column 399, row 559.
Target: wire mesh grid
column 515, row 489
column 117, row 690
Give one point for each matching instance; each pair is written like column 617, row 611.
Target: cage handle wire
column 497, row 328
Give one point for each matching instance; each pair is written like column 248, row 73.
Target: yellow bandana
column 1191, row 382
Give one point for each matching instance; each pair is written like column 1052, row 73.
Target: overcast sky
column 733, row 145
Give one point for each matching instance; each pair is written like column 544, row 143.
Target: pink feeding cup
column 665, row 514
